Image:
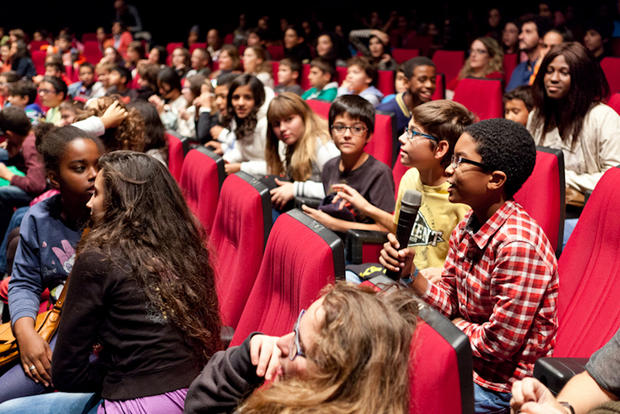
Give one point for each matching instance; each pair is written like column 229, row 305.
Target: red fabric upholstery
column 511, row 60
column 397, row 172
column 588, row 311
column 385, row 82
column 449, row 62
column 342, row 74
column 303, row 76
column 89, row 36
column 321, row 108
column 175, row 155
column 200, row 183
column 36, row 44
column 92, row 53
column 542, row 195
column 228, row 39
column 380, row 145
column 197, row 45
column 173, row 45
column 38, row 58
column 275, row 65
column 276, row 52
column 298, row 263
column 481, row 96
column 611, row 67
column 614, row 102
column 240, row 229
column 403, row 55
column 440, row 87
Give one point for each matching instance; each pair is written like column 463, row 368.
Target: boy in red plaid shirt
column 500, row 282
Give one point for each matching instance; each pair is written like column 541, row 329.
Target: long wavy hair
column 147, row 226
column 129, row 135
column 496, row 58
column 246, row 126
column 361, row 357
column 300, row 156
column 588, row 87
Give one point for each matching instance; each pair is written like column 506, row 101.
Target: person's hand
column 386, row 57
column 184, row 115
column 432, row 274
column 158, row 102
column 385, row 39
column 351, row 195
column 265, row 354
column 35, row 352
column 205, row 100
column 5, row 172
column 531, row 396
column 320, row 216
column 113, row 116
column 346, row 84
column 215, row 146
column 394, row 259
column 284, row 193
column 232, row 167
column 216, row 130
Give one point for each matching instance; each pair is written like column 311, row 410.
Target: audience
column 376, row 51
column 533, row 28
column 321, row 76
column 22, row 94
column 518, row 103
column 52, row 91
column 83, row 89
column 485, row 61
column 361, row 80
column 288, row 75
column 255, row 63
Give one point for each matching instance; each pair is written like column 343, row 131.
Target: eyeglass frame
column 410, row 133
column 363, row 129
column 295, row 342
column 457, row 160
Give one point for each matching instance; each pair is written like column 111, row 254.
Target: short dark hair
column 58, row 84
column 14, row 119
column 10, row 76
column 356, row 107
column 226, row 79
column 294, row 64
column 24, row 88
column 56, row 64
column 366, row 65
column 543, row 24
column 169, row 76
column 523, row 93
column 409, row 66
column 325, row 66
column 124, row 72
column 505, row 146
column 87, row 65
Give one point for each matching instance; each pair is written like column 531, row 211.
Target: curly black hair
column 505, row 146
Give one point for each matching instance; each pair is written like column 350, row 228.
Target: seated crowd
column 88, row 209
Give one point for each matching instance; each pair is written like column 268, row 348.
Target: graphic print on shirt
column 423, row 235
column 66, row 255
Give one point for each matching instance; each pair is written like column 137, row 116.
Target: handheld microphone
column 409, row 206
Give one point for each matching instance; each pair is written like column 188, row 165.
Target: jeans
column 11, row 197
column 16, row 221
column 569, row 226
column 53, row 403
column 491, row 402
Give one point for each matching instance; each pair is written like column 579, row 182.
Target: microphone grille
column 412, row 198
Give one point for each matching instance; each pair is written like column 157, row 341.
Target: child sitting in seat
column 518, row 103
column 401, row 83
column 361, row 79
column 288, row 74
column 119, row 80
column 351, row 121
column 23, row 94
column 322, row 73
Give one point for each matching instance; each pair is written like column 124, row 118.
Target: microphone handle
column 406, row 220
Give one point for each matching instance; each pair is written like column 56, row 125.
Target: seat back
column 511, row 60
column 38, row 59
column 201, row 178
column 197, row 45
column 440, row 87
column 481, row 96
column 403, row 55
column 588, row 311
column 175, row 155
column 397, row 173
column 611, row 68
column 614, row 102
column 440, row 367
column 89, row 36
column 276, row 52
column 170, row 48
column 543, row 194
column 238, row 237
column 303, row 76
column 36, row 44
column 380, row 145
column 385, row 82
column 321, row 108
column 301, row 257
column 449, row 62
column 341, row 72
column 275, row 65
column 92, row 53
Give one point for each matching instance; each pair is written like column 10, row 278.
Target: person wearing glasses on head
column 499, row 283
column 426, row 147
column 336, row 348
column 351, row 122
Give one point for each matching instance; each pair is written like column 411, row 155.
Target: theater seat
column 403, row 55
column 92, row 53
column 342, row 74
column 201, row 178
column 275, row 65
column 481, row 96
column 38, row 59
column 441, row 367
column 321, row 108
column 301, row 257
column 276, row 52
column 197, row 45
column 303, row 76
column 543, row 194
column 611, row 68
column 511, row 60
column 385, row 82
column 449, row 62
column 440, row 87
column 614, row 102
column 175, row 154
column 240, row 229
column 381, row 144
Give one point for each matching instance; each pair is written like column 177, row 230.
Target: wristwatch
column 567, row 405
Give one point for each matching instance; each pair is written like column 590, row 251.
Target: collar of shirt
column 490, row 227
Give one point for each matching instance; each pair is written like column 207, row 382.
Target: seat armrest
column 310, row 202
column 355, row 240
column 554, row 373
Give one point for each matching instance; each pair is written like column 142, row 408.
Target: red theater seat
column 275, row 65
column 614, row 102
column 511, row 60
column 321, row 108
column 403, row 55
column 38, row 59
column 240, row 229
column 381, row 144
column 481, row 96
column 197, row 45
column 92, row 53
column 611, row 67
column 449, row 62
column 342, row 74
column 301, row 257
column 175, row 155
column 36, row 44
column 89, row 36
column 385, row 82
column 201, row 178
column 276, row 52
column 440, row 87
column 303, row 80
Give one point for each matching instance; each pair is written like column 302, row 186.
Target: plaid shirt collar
column 482, row 237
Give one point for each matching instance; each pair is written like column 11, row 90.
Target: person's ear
column 295, row 74
column 497, row 180
column 441, row 149
column 53, row 178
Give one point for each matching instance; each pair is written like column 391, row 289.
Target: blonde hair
column 300, row 156
column 496, row 58
column 361, row 355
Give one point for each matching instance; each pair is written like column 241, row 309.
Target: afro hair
column 505, row 146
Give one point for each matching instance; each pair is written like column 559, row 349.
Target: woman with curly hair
column 350, row 341
column 485, row 61
column 129, row 135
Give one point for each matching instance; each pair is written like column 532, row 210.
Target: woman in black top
column 21, row 63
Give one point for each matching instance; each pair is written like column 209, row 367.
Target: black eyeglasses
column 295, row 347
column 457, row 160
column 410, row 133
column 355, row 130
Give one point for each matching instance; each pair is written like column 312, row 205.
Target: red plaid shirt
column 503, row 281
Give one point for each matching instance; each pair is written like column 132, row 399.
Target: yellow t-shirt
column 436, row 219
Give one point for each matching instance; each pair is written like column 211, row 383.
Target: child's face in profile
column 468, row 182
column 357, row 79
column 286, row 76
column 416, row 150
column 18, row 101
column 353, row 139
column 221, row 92
column 515, row 110
column 67, row 117
column 401, row 83
column 317, row 78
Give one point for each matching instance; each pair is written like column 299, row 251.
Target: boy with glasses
column 352, row 121
column 500, row 282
